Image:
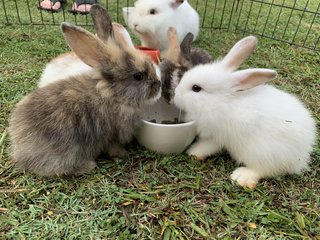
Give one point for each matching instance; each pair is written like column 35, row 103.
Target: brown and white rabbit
column 178, row 59
column 60, row 129
column 69, row 64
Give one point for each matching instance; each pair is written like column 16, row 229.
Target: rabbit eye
column 152, row 11
column 196, row 88
column 138, row 76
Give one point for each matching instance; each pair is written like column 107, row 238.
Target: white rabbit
column 69, row 64
column 267, row 130
column 150, row 19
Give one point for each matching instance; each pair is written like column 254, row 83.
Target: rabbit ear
column 176, row 3
column 102, row 22
column 240, row 52
column 249, row 78
column 89, row 48
column 185, row 45
column 122, row 36
column 173, row 52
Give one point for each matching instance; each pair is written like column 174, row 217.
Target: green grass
column 148, row 195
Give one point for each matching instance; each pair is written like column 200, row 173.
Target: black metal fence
column 296, row 22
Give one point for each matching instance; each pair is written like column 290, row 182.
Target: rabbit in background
column 61, row 128
column 267, row 130
column 151, row 19
column 69, row 64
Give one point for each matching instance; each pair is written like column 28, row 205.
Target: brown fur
column 60, row 129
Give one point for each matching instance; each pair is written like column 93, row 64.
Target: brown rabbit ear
column 185, row 45
column 240, row 52
column 173, row 52
column 89, row 48
column 102, row 22
column 122, row 36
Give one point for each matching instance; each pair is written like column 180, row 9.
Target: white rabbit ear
column 122, row 36
column 249, row 78
column 176, row 3
column 102, row 22
column 240, row 52
column 89, row 48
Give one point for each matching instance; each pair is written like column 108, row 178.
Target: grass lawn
column 153, row 196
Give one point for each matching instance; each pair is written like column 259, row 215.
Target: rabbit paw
column 195, row 152
column 117, row 151
column 203, row 148
column 85, row 168
column 245, row 177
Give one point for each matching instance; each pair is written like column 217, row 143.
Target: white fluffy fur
column 183, row 18
column 267, row 130
column 62, row 68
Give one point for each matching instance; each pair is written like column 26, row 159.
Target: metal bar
column 284, row 6
column 231, row 14
column 237, row 26
column 276, row 25
column 314, row 17
column 17, row 10
column 245, row 28
column 224, row 7
column 214, row 13
column 285, row 30
column 117, row 10
column 64, row 14
column 316, row 43
column 258, row 17
column 297, row 29
column 285, row 41
column 30, row 16
column 205, row 13
column 265, row 25
column 41, row 15
column 5, row 12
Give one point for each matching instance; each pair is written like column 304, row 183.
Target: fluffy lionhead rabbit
column 60, row 129
column 178, row 59
column 150, row 19
column 267, row 130
column 69, row 64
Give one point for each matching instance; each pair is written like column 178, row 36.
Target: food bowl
column 165, row 138
column 153, row 53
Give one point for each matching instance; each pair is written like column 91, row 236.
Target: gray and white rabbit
column 267, row 130
column 60, row 129
column 179, row 58
column 151, row 19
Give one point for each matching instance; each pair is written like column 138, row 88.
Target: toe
column 46, row 4
column 245, row 177
column 83, row 8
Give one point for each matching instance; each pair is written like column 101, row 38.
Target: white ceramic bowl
column 165, row 138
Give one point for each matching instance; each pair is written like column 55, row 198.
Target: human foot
column 82, row 6
column 50, row 5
